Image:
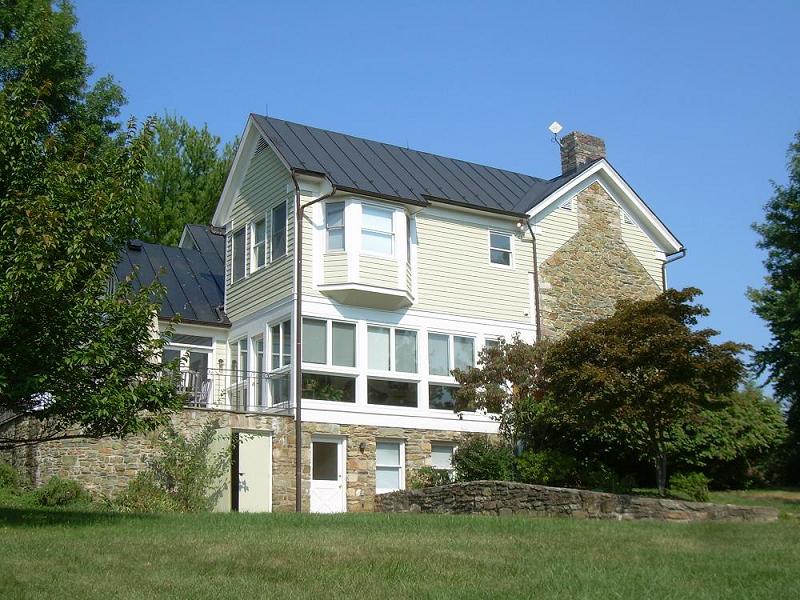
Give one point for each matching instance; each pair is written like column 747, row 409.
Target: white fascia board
column 618, row 187
column 235, row 176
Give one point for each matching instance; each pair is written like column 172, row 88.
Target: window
column 377, row 235
column 329, row 387
column 567, row 205
column 278, row 238
column 280, row 359
column 389, row 471
column 258, row 347
column 491, row 342
column 625, row 218
column 392, row 393
column 237, row 393
column 448, row 352
column 342, row 351
column 334, row 226
column 442, row 397
column 259, row 236
column 387, row 343
column 237, row 272
column 442, row 457
column 500, row 248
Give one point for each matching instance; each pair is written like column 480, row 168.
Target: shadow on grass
column 43, row 517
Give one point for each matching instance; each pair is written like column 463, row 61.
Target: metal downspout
column 670, row 258
column 536, row 306
column 298, row 338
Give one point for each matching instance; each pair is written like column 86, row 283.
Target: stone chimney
column 578, row 148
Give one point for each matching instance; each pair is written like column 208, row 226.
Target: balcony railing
column 241, row 391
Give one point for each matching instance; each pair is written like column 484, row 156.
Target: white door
column 255, row 468
column 327, row 476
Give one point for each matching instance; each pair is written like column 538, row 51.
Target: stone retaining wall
column 508, row 498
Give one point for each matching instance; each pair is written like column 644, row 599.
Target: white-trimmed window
column 280, row 335
column 392, row 349
column 260, row 369
column 491, row 342
column 500, row 248
column 238, row 252
column 377, row 230
column 278, row 233
column 334, row 226
column 329, row 344
column 258, row 258
column 442, row 457
column 447, row 352
column 389, row 466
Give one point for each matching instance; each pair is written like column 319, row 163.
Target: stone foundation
column 508, row 498
column 105, row 466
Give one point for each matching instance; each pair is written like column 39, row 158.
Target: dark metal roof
column 374, row 168
column 201, row 238
column 194, row 280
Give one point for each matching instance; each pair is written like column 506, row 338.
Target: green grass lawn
column 74, row 554
column 786, row 501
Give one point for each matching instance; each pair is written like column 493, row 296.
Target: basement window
column 389, row 468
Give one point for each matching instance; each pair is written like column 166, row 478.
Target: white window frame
column 328, row 367
column 284, row 326
column 254, row 266
column 261, row 395
column 392, row 372
column 243, row 231
column 451, row 348
column 452, row 447
column 390, row 233
column 510, row 250
column 272, row 229
column 400, row 467
column 343, row 227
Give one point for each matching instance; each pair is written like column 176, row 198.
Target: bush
column 547, row 467
column 425, row 477
column 62, row 492
column 144, row 495
column 604, row 479
column 477, row 457
column 10, row 478
column 694, row 485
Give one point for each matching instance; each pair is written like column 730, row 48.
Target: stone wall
column 583, row 280
column 508, row 498
column 106, row 466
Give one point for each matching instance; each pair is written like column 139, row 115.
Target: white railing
column 241, row 391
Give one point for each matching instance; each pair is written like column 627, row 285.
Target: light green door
column 255, row 472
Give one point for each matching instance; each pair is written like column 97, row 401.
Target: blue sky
column 697, row 101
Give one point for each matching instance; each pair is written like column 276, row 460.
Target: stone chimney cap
column 578, row 148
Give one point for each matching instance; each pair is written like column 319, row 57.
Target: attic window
column 567, row 205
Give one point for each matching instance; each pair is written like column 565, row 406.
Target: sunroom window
column 377, row 233
column 334, row 226
column 392, row 349
column 500, row 248
column 329, row 344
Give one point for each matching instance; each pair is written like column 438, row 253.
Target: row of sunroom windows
column 392, row 352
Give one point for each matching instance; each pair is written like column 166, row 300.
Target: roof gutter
column 670, row 259
column 298, row 336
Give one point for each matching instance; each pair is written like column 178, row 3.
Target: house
column 400, row 266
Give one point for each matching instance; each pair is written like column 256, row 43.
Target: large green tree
column 76, row 358
column 185, row 171
column 778, row 302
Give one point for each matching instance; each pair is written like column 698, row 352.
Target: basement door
column 252, row 472
column 328, row 475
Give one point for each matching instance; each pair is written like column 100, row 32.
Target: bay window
column 377, row 231
column 334, row 226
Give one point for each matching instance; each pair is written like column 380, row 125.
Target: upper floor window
column 259, row 256
column 448, row 352
column 500, row 248
column 334, row 225
column 278, row 237
column 238, row 255
column 377, row 233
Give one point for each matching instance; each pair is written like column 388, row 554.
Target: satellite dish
column 555, row 127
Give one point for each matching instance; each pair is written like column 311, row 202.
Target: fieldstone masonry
column 106, row 466
column 583, row 280
column 507, row 498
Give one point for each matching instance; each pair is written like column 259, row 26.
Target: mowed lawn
column 74, row 554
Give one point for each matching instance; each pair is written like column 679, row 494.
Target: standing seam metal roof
column 385, row 170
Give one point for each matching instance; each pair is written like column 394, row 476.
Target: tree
column 75, row 358
column 185, row 171
column 778, row 302
column 644, row 372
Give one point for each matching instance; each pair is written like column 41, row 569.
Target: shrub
column 478, row 457
column 144, row 495
column 61, row 492
column 424, row 477
column 547, row 467
column 10, row 478
column 604, row 479
column 694, row 485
